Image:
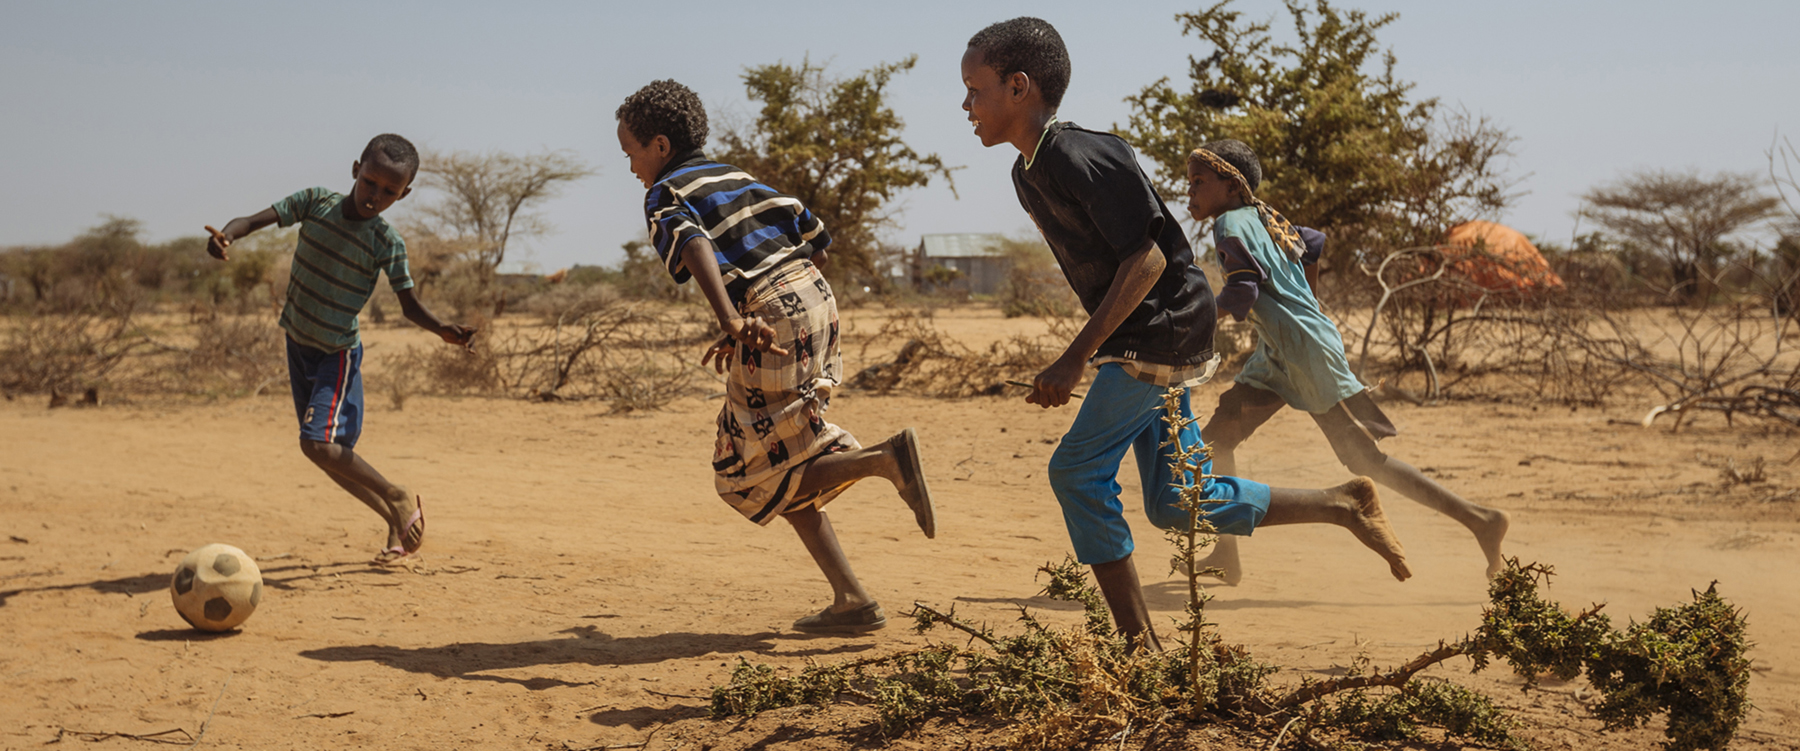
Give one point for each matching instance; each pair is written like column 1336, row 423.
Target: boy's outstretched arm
column 236, row 228
column 415, row 311
column 1137, row 274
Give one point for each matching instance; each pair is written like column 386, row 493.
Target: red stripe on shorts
column 337, row 397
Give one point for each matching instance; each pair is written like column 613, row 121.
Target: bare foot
column 1370, row 525
column 1490, row 534
column 1224, row 560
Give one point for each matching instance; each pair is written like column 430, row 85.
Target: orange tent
column 1498, row 258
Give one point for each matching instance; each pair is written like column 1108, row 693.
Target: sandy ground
column 582, row 585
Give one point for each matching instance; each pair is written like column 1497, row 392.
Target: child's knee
column 1068, row 472
column 1224, row 432
column 319, row 452
column 1167, row 516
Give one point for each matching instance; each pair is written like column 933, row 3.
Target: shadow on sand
column 587, row 646
column 280, row 577
column 186, row 634
column 1172, row 595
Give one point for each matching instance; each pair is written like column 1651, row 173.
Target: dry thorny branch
column 1580, row 350
column 1062, row 688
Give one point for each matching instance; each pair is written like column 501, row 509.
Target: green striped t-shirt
column 334, row 269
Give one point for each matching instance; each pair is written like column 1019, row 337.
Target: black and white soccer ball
column 216, row 587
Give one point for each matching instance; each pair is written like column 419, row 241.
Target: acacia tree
column 487, row 199
column 1688, row 219
column 835, row 144
column 1343, row 145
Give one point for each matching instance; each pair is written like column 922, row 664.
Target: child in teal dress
column 1299, row 358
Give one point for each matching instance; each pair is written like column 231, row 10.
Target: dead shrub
column 231, row 354
column 65, row 352
column 1034, row 284
column 644, row 380
column 448, row 371
column 591, row 345
column 1577, row 349
column 932, row 363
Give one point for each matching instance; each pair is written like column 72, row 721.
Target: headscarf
column 1280, row 229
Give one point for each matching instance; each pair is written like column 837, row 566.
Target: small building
column 971, row 262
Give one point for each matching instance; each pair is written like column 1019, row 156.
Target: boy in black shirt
column 1150, row 326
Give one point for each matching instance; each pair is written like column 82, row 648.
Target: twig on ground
column 215, row 710
column 1398, row 677
column 1283, row 734
column 951, row 621
column 93, row 737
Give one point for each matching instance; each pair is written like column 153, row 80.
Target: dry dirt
column 582, row 586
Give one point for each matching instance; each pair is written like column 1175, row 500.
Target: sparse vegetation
column 836, row 144
column 929, row 362
column 1071, row 687
column 1034, row 285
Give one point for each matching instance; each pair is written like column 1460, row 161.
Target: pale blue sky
column 182, row 114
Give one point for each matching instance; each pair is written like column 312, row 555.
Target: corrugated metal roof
column 962, row 245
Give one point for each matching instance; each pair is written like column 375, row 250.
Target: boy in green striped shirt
column 344, row 244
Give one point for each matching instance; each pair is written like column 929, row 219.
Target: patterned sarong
column 771, row 427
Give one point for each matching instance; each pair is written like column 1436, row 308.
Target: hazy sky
column 182, row 114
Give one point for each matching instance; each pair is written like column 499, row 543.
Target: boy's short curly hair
column 396, row 150
column 1238, row 154
column 665, row 108
column 1030, row 46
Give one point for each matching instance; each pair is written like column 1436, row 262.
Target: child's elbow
column 1151, row 260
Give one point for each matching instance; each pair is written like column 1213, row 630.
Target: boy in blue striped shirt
column 755, row 253
column 344, row 245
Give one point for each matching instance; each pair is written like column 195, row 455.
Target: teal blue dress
column 1299, row 354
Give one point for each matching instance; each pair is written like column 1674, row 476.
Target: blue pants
column 328, row 392
column 1122, row 412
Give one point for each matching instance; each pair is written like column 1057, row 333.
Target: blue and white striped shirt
column 753, row 228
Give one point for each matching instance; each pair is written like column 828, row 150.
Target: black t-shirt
column 1095, row 206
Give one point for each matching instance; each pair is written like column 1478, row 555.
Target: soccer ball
column 216, row 587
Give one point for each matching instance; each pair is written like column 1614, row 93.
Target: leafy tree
column 835, row 144
column 1686, row 218
column 1344, row 147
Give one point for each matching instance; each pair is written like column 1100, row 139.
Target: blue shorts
column 328, row 392
column 1122, row 412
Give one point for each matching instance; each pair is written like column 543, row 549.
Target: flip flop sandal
column 914, row 490
column 393, row 556
column 859, row 621
column 416, row 522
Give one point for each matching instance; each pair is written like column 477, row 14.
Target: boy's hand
column 719, row 354
column 1052, row 387
column 217, row 245
column 753, row 333
column 459, row 335
column 821, row 258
